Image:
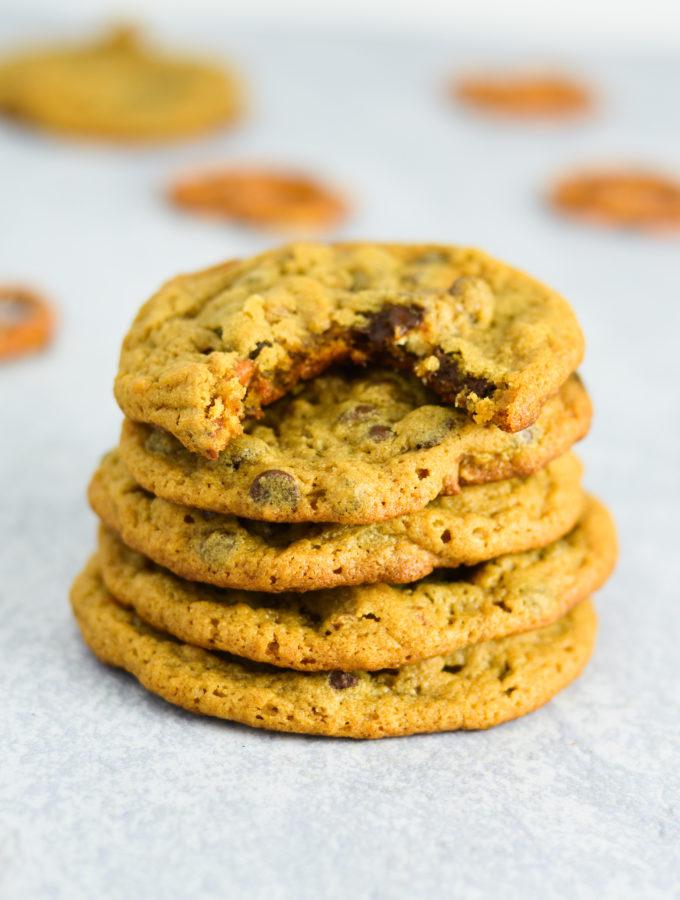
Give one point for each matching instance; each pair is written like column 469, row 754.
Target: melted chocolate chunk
column 449, row 379
column 341, row 680
column 275, row 488
column 392, row 321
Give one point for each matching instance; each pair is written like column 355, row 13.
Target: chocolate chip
column 216, row 545
column 432, row 256
column 438, row 428
column 160, row 442
column 428, row 443
column 341, row 680
column 459, row 286
column 449, row 379
column 391, row 322
column 360, row 280
column 275, row 488
column 208, row 515
column 453, row 669
column 240, row 453
column 259, row 347
column 380, row 433
column 358, row 413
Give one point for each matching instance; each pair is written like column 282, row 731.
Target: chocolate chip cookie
column 352, row 450
column 371, row 626
column 475, row 687
column 477, row 524
column 117, row 88
column 211, row 349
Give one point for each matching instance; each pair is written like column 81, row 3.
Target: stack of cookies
column 344, row 501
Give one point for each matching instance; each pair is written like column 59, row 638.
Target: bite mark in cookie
column 213, row 348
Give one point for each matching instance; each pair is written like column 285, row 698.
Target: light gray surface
column 108, row 792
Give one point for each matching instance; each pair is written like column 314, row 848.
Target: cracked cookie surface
column 477, row 524
column 476, row 687
column 116, row 88
column 212, row 348
column 352, row 450
column 370, row 626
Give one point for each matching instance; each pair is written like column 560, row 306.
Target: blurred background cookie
column 261, row 197
column 117, row 87
column 26, row 321
column 523, row 94
column 625, row 198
